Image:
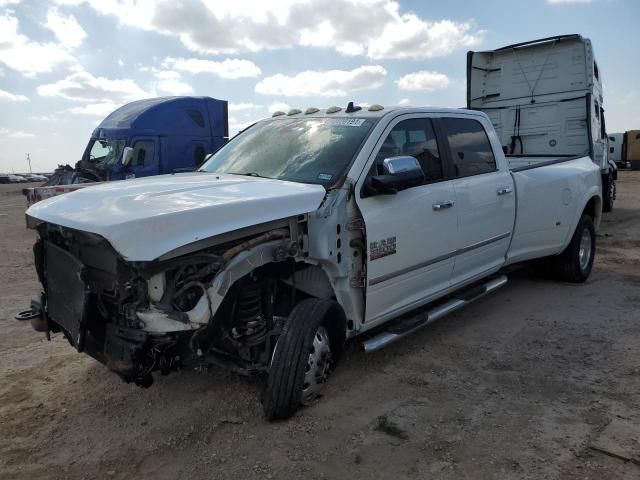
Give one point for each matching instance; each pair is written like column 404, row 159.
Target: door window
column 143, row 153
column 414, row 137
column 470, row 148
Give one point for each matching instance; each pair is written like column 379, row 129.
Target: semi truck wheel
column 304, row 356
column 574, row 264
column 608, row 193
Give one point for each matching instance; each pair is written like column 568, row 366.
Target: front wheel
column 574, row 264
column 304, row 356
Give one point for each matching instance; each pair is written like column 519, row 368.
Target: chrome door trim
column 473, row 246
column 468, row 248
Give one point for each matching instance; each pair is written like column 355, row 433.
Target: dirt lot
column 540, row 380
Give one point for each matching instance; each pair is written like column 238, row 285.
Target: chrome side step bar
column 404, row 327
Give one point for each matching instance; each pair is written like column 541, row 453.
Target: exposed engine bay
column 224, row 304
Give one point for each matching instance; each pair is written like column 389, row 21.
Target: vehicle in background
column 145, row 138
column 35, row 177
column 616, row 148
column 544, row 98
column 632, row 149
column 303, row 231
column 13, row 178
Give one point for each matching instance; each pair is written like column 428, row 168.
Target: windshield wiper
column 250, row 174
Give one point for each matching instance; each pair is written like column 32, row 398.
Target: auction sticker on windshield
column 347, row 122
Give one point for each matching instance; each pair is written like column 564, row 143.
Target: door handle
column 504, row 190
column 443, row 205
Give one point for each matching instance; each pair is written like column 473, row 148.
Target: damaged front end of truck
column 223, row 303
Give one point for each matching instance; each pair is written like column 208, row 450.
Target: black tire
column 571, row 266
column 284, row 390
column 608, row 193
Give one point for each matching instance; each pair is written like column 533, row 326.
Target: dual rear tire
column 575, row 263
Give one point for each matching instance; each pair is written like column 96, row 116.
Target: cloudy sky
column 65, row 64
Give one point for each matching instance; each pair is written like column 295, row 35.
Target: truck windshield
column 304, row 150
column 105, row 150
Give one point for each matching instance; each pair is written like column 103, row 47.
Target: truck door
column 410, row 234
column 485, row 199
column 145, row 158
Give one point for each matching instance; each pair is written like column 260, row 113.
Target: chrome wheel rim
column 584, row 254
column 318, row 367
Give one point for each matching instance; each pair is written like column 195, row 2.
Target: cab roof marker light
column 311, row 110
column 277, row 114
column 294, row 111
column 333, row 109
column 376, row 107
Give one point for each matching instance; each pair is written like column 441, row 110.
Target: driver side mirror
column 127, row 156
column 399, row 173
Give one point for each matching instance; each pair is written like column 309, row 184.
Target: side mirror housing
column 127, row 156
column 399, row 173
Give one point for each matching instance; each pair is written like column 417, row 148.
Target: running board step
column 401, row 328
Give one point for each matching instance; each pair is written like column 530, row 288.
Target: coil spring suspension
column 249, row 315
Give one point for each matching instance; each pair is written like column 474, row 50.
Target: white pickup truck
column 306, row 230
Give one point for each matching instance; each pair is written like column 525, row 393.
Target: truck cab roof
column 164, row 116
column 367, row 112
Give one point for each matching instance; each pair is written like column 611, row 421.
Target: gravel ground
column 539, row 380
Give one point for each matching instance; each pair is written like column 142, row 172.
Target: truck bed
column 550, row 193
column 524, row 162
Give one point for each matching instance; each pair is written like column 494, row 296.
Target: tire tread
column 286, row 376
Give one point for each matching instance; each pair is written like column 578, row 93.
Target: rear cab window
column 471, row 151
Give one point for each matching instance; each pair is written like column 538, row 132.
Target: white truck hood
column 145, row 218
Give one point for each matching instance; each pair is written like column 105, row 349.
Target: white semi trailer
column 616, row 143
column 544, row 98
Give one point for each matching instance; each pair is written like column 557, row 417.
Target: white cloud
column 376, row 28
column 9, row 133
column 229, row 68
column 66, row 28
column 84, row 87
column 101, row 109
column 235, row 107
column 43, row 118
column 408, row 36
column 170, row 82
column 404, row 102
column 236, row 125
column 279, row 107
column 167, row 75
column 25, row 56
column 11, row 97
column 331, row 83
column 4, row 3
column 423, row 80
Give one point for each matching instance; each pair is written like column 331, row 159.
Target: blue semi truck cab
column 156, row 136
